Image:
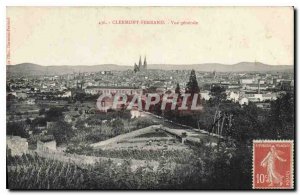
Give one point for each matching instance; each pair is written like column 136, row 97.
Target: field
column 177, row 169
column 34, row 172
column 150, row 143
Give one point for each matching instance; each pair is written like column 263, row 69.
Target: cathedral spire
column 140, row 62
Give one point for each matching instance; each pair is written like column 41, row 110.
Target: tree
column 79, row 96
column 136, row 68
column 192, row 86
column 42, row 111
column 8, row 88
column 61, row 131
column 246, row 124
column 218, row 94
column 282, row 115
column 54, row 113
column 39, row 122
column 28, row 121
column 177, row 90
column 16, row 129
column 118, row 126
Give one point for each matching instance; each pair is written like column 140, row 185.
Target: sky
column 77, row 35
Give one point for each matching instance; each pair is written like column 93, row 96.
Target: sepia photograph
column 150, row 98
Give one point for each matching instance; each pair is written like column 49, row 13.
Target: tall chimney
column 258, row 86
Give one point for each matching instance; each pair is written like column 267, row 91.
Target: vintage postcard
column 150, row 98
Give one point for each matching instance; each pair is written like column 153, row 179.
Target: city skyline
column 130, row 65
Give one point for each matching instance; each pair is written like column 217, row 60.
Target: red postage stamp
column 273, row 164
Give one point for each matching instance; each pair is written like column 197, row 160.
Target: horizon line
column 152, row 64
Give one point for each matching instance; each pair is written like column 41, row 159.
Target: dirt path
column 125, row 136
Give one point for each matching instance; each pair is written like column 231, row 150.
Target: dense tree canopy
column 54, row 113
column 282, row 116
column 177, row 90
column 192, row 85
column 17, row 129
column 218, row 94
column 61, row 131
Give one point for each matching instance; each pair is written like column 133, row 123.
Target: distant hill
column 239, row 67
column 34, row 69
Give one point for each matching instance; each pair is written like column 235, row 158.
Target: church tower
column 141, row 66
column 140, row 63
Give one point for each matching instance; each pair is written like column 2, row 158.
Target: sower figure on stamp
column 269, row 161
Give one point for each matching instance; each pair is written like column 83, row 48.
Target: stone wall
column 16, row 145
column 46, row 146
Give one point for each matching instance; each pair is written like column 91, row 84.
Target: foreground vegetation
column 206, row 168
column 176, row 156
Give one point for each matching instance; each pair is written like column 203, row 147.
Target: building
column 256, row 87
column 67, row 94
column 205, row 95
column 260, row 97
column 16, row 145
column 265, row 106
column 46, row 144
column 140, row 66
column 31, row 101
column 93, row 90
column 246, row 81
column 50, row 124
column 244, row 101
column 233, row 96
column 286, row 85
column 21, row 95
